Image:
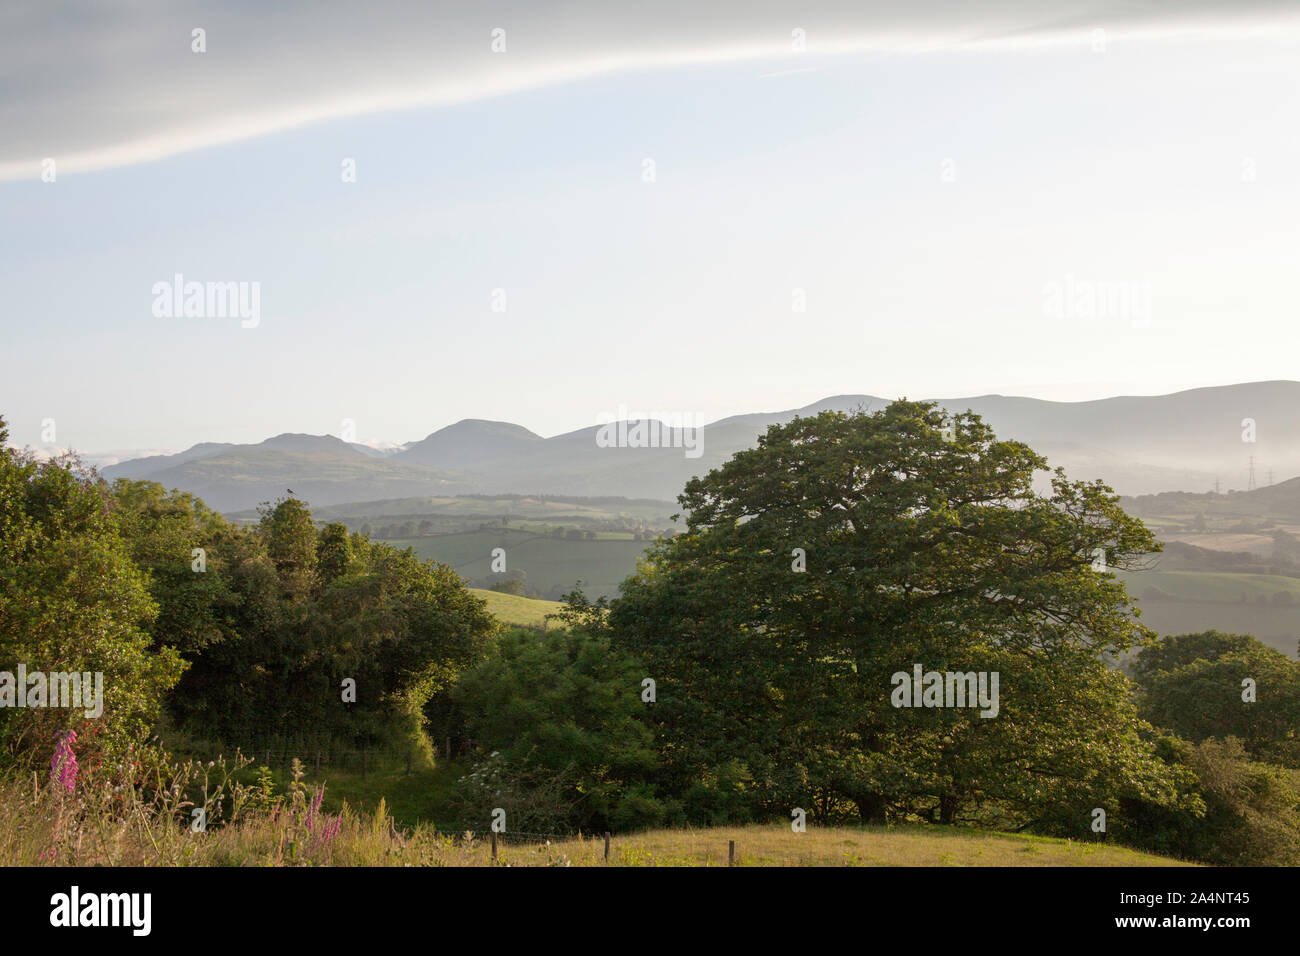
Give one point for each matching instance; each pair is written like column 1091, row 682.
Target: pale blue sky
column 1170, row 164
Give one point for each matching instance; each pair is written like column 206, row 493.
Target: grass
column 388, row 818
column 51, row 828
column 777, row 845
column 412, row 799
column 517, row 611
column 95, row 826
column 548, row 562
column 417, row 804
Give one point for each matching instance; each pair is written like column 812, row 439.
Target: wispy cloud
column 95, row 86
column 779, row 73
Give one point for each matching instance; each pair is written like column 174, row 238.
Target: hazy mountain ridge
column 467, row 442
column 1138, row 444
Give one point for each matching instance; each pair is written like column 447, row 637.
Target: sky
column 691, row 210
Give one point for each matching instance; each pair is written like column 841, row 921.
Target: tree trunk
column 948, row 809
column 871, row 808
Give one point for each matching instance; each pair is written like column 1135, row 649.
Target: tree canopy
column 72, row 600
column 846, row 548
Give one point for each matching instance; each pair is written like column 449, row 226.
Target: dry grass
column 777, row 845
column 42, row 826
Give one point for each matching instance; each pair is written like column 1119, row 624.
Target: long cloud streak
column 115, row 85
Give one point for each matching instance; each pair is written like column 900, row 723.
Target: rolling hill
column 516, row 611
column 470, row 442
column 319, row 468
column 1138, row 444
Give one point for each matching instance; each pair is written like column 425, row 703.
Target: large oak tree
column 923, row 540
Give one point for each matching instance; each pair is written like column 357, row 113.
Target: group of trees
column 292, row 630
column 1230, row 709
column 746, row 670
column 73, row 600
column 241, row 635
column 844, row 549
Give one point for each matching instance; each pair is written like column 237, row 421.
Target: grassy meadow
column 40, row 826
column 515, row 611
column 552, row 565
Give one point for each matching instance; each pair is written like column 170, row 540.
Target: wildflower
column 321, row 827
column 314, row 807
column 63, row 766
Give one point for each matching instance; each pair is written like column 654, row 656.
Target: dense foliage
column 1224, row 685
column 283, row 613
column 244, row 635
column 72, row 600
column 558, row 718
column 1231, row 706
column 914, row 547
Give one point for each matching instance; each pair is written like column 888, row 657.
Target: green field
column 1217, row 586
column 1277, row 627
column 551, row 565
column 1196, row 601
column 513, row 610
column 459, row 513
column 552, row 509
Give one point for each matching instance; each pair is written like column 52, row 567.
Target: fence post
column 494, row 846
column 731, row 853
column 606, row 846
column 318, row 761
column 268, row 756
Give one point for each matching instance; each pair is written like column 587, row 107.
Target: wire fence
column 688, row 846
column 327, row 756
column 363, row 761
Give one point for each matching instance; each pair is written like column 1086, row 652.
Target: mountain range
column 1185, row 441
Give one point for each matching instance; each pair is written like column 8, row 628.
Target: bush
column 1241, row 812
column 558, row 721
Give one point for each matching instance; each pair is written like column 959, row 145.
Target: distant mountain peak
column 469, row 441
column 297, row 441
column 485, row 426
